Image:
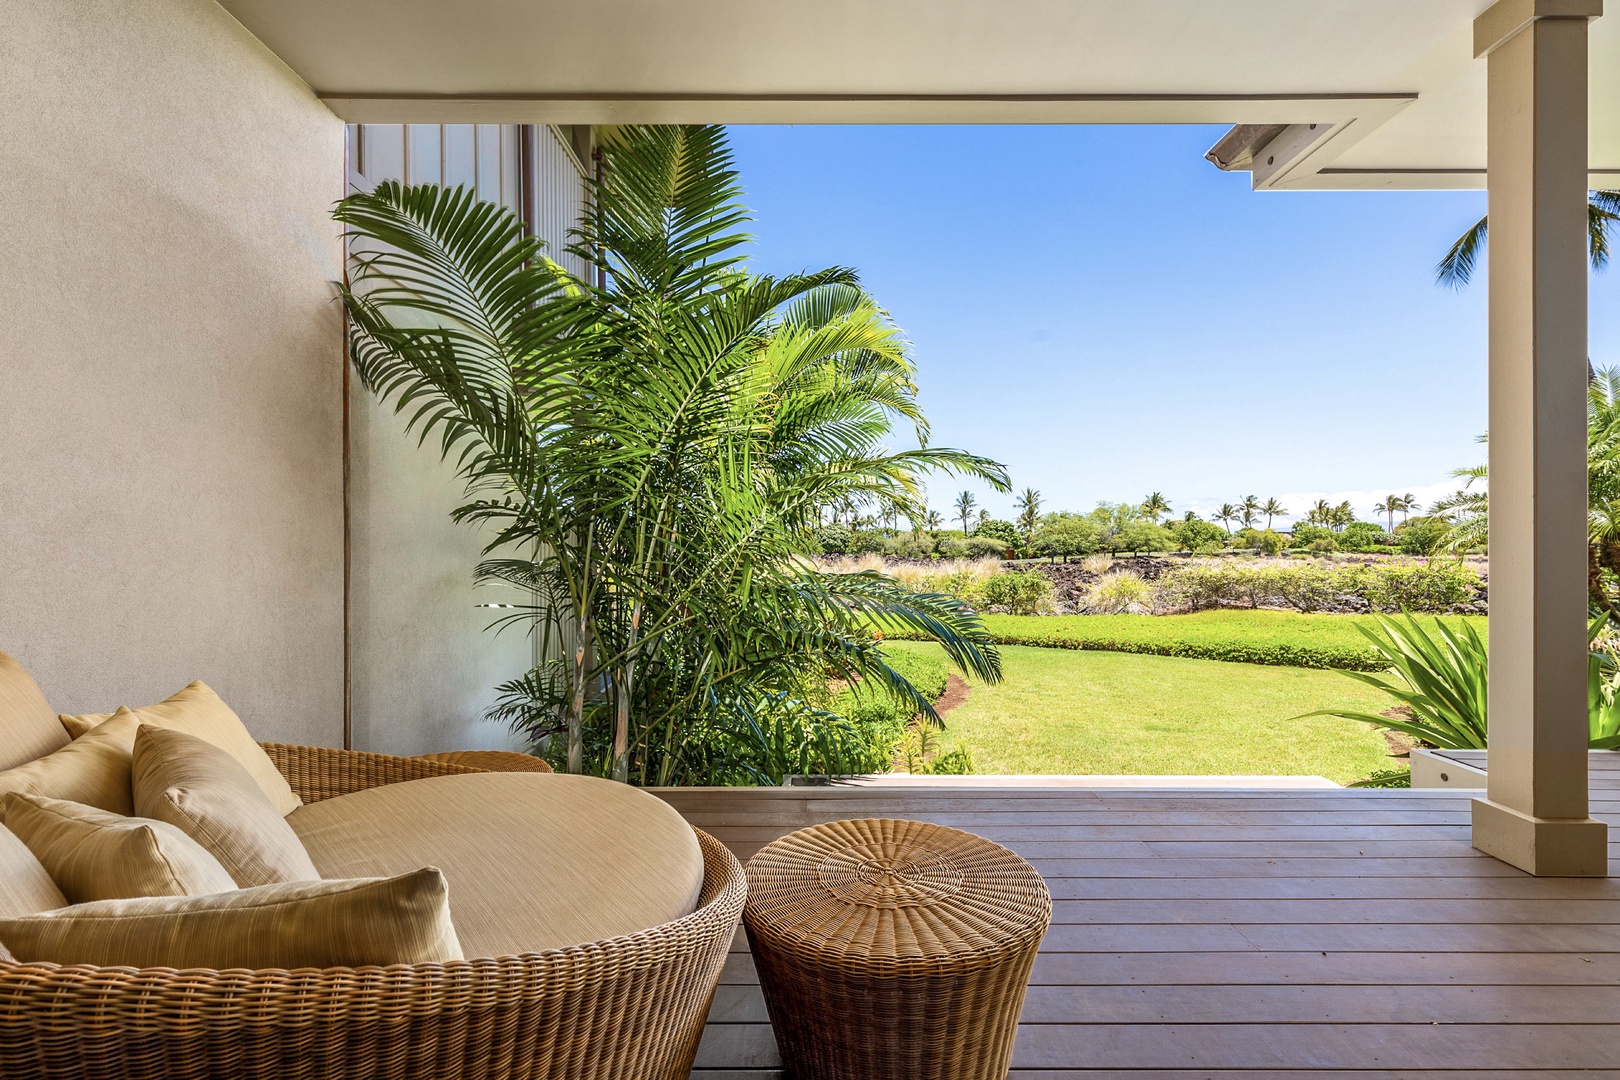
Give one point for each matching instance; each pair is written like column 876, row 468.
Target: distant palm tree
column 1342, row 515
column 1029, row 511
column 1154, row 505
column 1602, row 211
column 1409, row 504
column 965, row 505
column 1249, row 511
column 1389, row 506
column 932, row 521
column 1271, row 509
column 1321, row 514
column 1226, row 515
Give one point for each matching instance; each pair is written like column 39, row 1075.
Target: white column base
column 1545, row 847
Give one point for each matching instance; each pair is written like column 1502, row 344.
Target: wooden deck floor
column 1241, row 935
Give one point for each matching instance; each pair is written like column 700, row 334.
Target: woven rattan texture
column 493, row 760
column 621, row 1009
column 893, row 949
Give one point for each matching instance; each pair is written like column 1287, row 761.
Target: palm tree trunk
column 621, row 720
column 576, row 707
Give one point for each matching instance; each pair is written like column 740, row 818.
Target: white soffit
column 1392, row 86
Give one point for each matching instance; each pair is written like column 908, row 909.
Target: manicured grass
column 1255, row 637
column 1061, row 711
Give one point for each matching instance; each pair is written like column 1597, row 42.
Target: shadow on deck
column 1236, row 935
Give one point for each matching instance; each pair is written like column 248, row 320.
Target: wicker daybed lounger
column 625, row 1008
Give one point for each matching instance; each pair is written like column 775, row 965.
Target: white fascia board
column 598, row 108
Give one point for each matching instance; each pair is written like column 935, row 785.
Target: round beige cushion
column 535, row 861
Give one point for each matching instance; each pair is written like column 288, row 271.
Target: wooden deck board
column 1251, row 934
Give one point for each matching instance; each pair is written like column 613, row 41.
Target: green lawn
column 1259, row 637
column 1064, row 711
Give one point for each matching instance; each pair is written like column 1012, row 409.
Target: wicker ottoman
column 893, row 949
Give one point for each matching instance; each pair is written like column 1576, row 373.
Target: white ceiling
column 1393, row 86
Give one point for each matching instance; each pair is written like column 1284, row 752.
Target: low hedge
column 1277, row 638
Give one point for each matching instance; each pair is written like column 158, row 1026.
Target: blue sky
column 1108, row 314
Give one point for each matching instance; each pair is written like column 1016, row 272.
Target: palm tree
column 965, row 504
column 1409, row 504
column 1226, row 515
column 1029, row 512
column 1271, row 509
column 1249, row 510
column 649, row 450
column 1389, row 506
column 1321, row 514
column 1154, row 505
column 1602, row 211
column 1342, row 515
column 932, row 521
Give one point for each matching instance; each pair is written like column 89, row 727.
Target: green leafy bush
column 1324, row 545
column 1117, row 594
column 1270, row 542
column 1016, row 592
column 1433, row 587
column 1422, row 536
column 1198, row 535
column 835, row 539
column 957, row 761
column 1365, row 536
column 982, row 547
column 1004, row 531
column 1305, row 535
column 1282, row 638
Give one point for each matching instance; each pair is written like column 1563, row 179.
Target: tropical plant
column 1438, row 680
column 1441, row 683
column 648, row 450
column 1272, row 508
column 1016, row 592
column 1391, row 505
column 1029, row 512
column 965, row 504
column 1456, row 269
column 1249, row 510
column 1004, row 532
column 1226, row 515
column 1155, row 506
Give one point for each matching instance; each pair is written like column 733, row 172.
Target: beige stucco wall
column 170, row 364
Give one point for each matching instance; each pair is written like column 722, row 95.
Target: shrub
column 1005, row 531
column 867, row 542
column 982, row 547
column 1016, row 592
column 1324, row 545
column 1306, row 535
column 957, row 761
column 1270, row 542
column 1245, row 538
column 1120, row 593
column 911, row 547
column 1365, row 536
column 835, row 539
column 1435, row 586
column 1422, row 536
column 1198, row 535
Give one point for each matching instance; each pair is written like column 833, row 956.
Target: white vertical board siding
column 559, row 195
column 424, row 663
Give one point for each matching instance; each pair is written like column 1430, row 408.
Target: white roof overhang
column 1374, row 93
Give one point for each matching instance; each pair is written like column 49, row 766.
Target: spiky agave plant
column 649, row 450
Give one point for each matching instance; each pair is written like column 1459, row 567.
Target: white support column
column 1535, row 813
